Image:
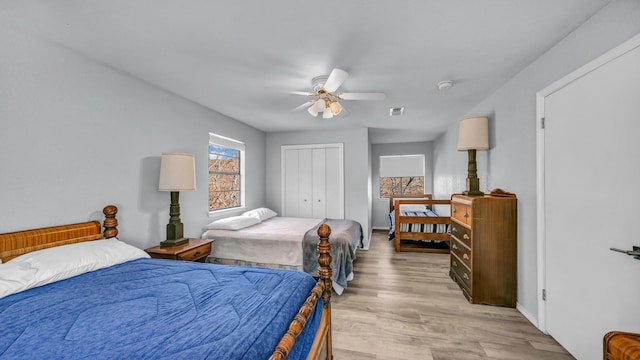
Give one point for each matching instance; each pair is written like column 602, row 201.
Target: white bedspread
column 277, row 241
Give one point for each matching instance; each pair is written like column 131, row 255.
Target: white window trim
column 234, row 144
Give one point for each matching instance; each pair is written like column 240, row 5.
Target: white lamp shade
column 177, row 172
column 327, row 114
column 319, row 105
column 474, row 134
column 312, row 110
column 336, row 108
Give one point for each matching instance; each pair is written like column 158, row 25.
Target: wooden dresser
column 483, row 248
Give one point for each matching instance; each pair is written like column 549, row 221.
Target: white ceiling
column 242, row 57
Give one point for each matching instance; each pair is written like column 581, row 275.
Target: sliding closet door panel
column 305, row 178
column 313, row 181
column 291, row 183
column 318, row 183
column 334, row 190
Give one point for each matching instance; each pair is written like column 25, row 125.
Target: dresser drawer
column 461, row 233
column 195, row 253
column 461, row 212
column 462, row 252
column 461, row 271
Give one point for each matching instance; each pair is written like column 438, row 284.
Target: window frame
column 403, row 176
column 228, row 143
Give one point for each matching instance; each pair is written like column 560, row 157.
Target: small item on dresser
column 501, row 193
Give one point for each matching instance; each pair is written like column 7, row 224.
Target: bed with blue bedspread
column 104, row 299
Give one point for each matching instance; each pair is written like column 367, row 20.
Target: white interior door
column 313, row 181
column 319, row 183
column 290, row 160
column 305, row 183
column 591, row 195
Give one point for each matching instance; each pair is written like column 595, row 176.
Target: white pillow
column 233, row 223
column 61, row 262
column 261, row 213
column 413, row 207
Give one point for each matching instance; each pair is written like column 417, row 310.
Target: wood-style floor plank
column 405, row 306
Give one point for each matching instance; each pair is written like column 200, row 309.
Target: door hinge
column 542, row 123
column 544, row 294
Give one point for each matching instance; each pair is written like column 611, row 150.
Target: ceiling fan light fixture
column 312, row 110
column 336, row 108
column 327, row 115
column 319, row 106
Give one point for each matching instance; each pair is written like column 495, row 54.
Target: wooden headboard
column 21, row 242
column 412, row 196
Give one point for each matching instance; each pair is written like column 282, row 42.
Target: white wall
column 381, row 206
column 76, row 135
column 356, row 169
column 511, row 161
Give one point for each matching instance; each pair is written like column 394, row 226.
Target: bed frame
column 21, row 242
column 412, row 241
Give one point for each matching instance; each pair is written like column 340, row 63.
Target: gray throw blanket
column 346, row 236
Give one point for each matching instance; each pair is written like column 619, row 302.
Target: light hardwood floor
column 405, row 306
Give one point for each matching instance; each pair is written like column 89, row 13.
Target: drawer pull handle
column 465, row 256
column 454, row 247
column 466, row 215
column 197, row 253
column 465, row 276
column 454, row 263
column 454, row 229
column 465, row 236
column 454, row 210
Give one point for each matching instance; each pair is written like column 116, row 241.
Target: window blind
column 402, row 165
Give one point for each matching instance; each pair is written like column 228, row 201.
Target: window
column 401, row 174
column 226, row 173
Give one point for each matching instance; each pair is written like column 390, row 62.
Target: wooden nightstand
column 194, row 250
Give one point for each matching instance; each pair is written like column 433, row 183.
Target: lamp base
column 173, row 242
column 473, row 193
column 473, row 183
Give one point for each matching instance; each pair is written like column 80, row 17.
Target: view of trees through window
column 401, row 185
column 224, row 177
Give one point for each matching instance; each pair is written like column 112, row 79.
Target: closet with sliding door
column 313, row 181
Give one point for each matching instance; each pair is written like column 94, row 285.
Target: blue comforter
column 158, row 309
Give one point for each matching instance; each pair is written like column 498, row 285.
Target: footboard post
column 324, row 272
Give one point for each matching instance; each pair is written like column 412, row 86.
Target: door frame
column 284, row 148
column 616, row 52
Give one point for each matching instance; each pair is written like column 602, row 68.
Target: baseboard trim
column 532, row 319
column 380, row 228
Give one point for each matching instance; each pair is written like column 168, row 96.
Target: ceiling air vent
column 397, row 111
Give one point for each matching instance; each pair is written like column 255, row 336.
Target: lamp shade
column 177, row 172
column 474, row 134
column 336, row 108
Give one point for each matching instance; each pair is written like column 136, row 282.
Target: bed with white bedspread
column 279, row 242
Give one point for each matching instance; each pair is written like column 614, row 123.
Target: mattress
column 423, row 228
column 158, row 309
column 274, row 241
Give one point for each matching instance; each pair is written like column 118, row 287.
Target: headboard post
column 110, row 222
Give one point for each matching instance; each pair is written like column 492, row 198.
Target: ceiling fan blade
column 306, row 93
column 362, row 96
column 303, row 106
column 336, row 78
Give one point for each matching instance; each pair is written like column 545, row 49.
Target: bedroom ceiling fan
column 325, row 97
